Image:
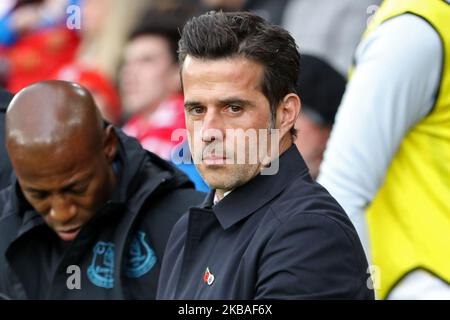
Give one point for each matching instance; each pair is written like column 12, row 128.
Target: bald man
column 90, row 211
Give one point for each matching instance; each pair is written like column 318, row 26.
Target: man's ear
column 288, row 113
column 110, row 143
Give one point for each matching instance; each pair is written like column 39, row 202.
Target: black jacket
column 119, row 251
column 5, row 165
column 277, row 237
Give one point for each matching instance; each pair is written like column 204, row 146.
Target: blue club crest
column 141, row 258
column 101, row 269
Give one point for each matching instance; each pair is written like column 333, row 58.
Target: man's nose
column 212, row 128
column 62, row 210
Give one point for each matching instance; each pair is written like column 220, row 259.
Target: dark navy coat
column 277, row 237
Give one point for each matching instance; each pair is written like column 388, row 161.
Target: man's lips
column 210, row 160
column 68, row 234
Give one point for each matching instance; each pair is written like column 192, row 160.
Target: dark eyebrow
column 221, row 102
column 192, row 104
column 232, row 100
column 36, row 190
column 84, row 180
column 64, row 188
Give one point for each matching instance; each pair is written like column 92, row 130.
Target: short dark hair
column 218, row 34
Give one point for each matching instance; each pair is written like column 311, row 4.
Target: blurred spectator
column 7, row 33
column 320, row 88
column 38, row 55
column 388, row 158
column 45, row 43
column 104, row 28
column 271, row 10
column 150, row 85
column 328, row 29
column 106, row 25
column 49, row 50
column 18, row 17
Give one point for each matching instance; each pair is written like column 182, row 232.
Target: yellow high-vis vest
column 409, row 218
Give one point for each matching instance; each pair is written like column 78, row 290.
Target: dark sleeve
column 5, row 194
column 311, row 256
column 5, row 165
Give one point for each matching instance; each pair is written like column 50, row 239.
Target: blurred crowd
column 125, row 53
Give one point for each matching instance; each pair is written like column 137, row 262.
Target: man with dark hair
column 5, row 165
column 266, row 230
column 90, row 211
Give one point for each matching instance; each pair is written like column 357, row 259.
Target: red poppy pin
column 208, row 277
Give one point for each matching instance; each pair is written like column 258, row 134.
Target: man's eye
column 196, row 110
column 78, row 190
column 39, row 195
column 234, row 108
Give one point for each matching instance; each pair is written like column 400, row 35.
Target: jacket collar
column 5, row 98
column 262, row 189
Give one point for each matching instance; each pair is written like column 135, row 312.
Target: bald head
column 61, row 154
column 52, row 112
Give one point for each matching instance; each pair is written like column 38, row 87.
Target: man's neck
column 220, row 194
column 285, row 143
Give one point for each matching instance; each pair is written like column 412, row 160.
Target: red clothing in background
column 39, row 55
column 155, row 131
